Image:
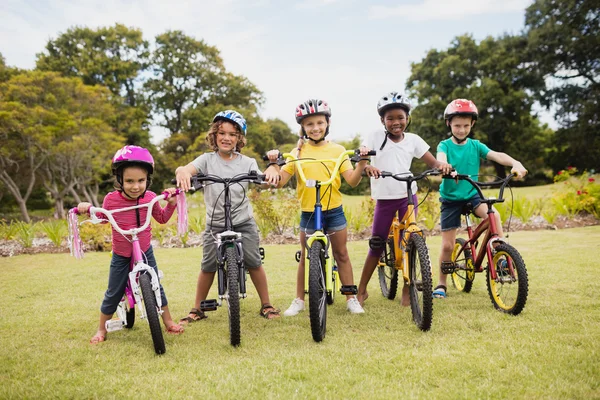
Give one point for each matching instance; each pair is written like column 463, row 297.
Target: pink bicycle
column 143, row 286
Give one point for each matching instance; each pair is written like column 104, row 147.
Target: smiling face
column 395, row 121
column 315, row 126
column 135, row 180
column 461, row 126
column 227, row 137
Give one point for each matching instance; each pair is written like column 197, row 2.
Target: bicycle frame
column 319, row 234
column 488, row 228
column 401, row 229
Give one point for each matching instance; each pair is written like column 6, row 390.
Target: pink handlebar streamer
column 182, row 215
column 75, row 243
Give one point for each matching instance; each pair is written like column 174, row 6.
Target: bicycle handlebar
column 109, row 214
column 411, row 178
column 478, row 185
column 284, row 158
column 252, row 176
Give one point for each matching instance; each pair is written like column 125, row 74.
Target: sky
column 348, row 52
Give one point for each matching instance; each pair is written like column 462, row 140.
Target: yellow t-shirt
column 321, row 172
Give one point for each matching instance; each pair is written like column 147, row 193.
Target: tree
column 494, row 74
column 114, row 57
column 54, row 130
column 564, row 38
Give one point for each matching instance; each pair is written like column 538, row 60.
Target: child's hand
column 518, row 169
column 172, row 200
column 364, row 150
column 372, row 171
column 273, row 155
column 272, row 176
column 183, row 179
column 83, row 208
column 444, row 167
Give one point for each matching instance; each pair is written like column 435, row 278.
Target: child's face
column 461, row 126
column 395, row 121
column 134, row 181
column 227, row 137
column 315, row 126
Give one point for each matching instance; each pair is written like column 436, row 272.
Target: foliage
column 96, row 237
column 581, row 193
column 523, row 209
column 275, row 209
column 429, row 210
column 8, row 230
column 25, row 233
column 55, row 230
column 563, row 41
column 495, row 75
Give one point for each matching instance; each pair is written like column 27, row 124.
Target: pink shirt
column 127, row 219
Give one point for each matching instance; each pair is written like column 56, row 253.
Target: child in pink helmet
column 132, row 167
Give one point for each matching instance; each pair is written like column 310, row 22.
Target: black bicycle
column 231, row 271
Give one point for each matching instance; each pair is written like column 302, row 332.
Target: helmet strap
column 459, row 141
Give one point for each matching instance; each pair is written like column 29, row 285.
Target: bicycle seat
column 467, row 209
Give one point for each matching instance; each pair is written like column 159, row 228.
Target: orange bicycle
column 507, row 281
column 406, row 251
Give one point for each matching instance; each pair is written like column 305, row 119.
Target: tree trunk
column 75, row 195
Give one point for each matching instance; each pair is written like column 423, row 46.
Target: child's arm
column 163, row 215
column 183, row 175
column 430, row 160
column 353, row 176
column 507, row 161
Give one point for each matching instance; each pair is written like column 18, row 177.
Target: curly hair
column 211, row 137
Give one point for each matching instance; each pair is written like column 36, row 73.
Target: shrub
column 96, row 236
column 26, row 233
column 581, row 194
column 8, row 231
column 55, row 230
column 275, row 210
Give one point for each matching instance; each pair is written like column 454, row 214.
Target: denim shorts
column 452, row 210
column 333, row 220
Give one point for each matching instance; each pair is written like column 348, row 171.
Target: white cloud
column 429, row 10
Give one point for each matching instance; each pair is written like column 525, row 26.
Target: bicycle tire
column 388, row 274
column 420, row 288
column 505, row 297
column 233, row 295
column 317, row 292
column 463, row 277
column 130, row 315
column 149, row 301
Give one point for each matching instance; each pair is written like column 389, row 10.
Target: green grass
column 50, row 306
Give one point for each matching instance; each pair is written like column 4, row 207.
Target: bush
column 275, row 210
column 581, row 194
column 8, row 231
column 55, row 230
column 26, row 233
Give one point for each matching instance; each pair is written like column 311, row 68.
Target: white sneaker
column 354, row 306
column 295, row 308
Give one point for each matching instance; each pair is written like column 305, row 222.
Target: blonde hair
column 211, row 137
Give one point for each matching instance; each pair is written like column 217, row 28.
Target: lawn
column 51, row 303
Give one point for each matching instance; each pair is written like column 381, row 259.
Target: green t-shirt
column 465, row 159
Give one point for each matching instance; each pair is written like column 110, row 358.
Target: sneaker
column 354, row 306
column 295, row 308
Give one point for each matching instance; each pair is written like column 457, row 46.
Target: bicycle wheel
column 233, row 295
column 419, row 272
column 508, row 292
column 149, row 301
column 388, row 274
column 463, row 276
column 317, row 292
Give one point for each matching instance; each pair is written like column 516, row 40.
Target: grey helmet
column 393, row 100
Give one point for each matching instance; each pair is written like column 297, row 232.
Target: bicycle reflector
column 311, row 183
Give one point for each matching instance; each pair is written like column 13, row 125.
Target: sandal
column 269, row 312
column 439, row 292
column 193, row 316
column 175, row 329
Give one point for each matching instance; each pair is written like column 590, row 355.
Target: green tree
column 114, row 57
column 564, row 38
column 54, row 131
column 494, row 74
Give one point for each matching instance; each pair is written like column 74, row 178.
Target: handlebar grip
column 370, row 153
column 74, row 210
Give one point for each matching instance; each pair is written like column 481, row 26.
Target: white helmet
column 393, row 100
column 312, row 107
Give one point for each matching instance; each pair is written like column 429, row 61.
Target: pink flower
column 579, row 193
column 559, row 173
column 569, row 168
column 591, row 180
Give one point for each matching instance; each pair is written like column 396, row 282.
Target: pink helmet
column 135, row 155
column 462, row 107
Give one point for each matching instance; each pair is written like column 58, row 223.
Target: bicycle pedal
column 209, row 305
column 448, row 267
column 348, row 289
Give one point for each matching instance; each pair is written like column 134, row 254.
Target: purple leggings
column 385, row 210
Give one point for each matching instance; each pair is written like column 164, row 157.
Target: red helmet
column 462, row 107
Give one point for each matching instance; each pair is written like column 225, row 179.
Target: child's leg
column 481, row 212
column 171, row 326
column 448, row 238
column 340, row 253
column 100, row 335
